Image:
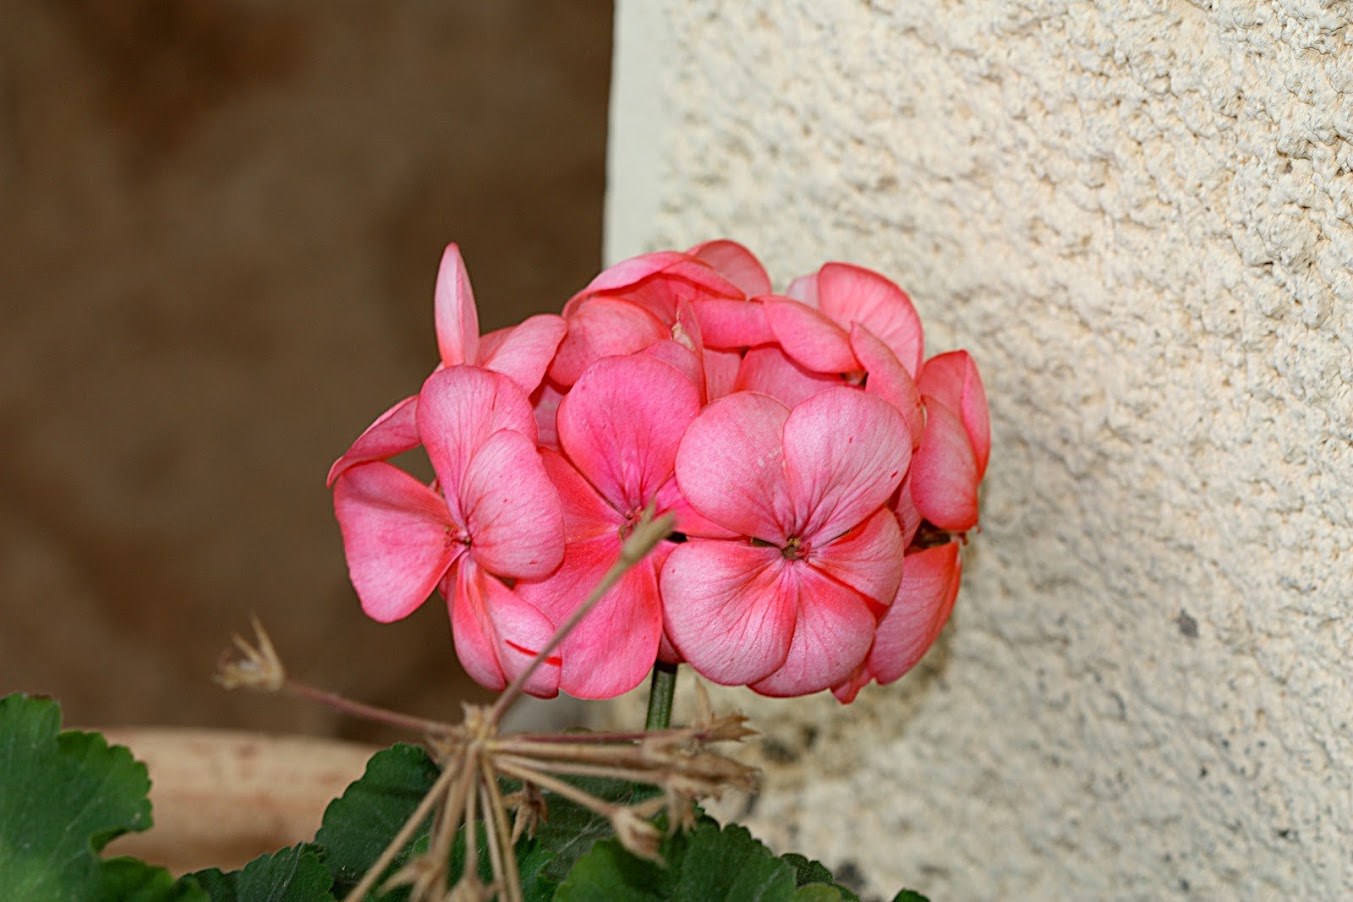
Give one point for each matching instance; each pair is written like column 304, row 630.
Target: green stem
column 660, row 693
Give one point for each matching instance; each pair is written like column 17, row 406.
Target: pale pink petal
column 730, row 466
column 627, row 273
column 735, row 263
column 944, row 471
column 394, row 432
column 545, row 406
column 680, row 358
column 621, row 424
column 586, row 514
column 603, row 327
column 728, row 608
column 512, row 510
column 524, row 351
column 689, row 521
column 454, row 307
column 808, row 337
column 846, row 691
column 845, row 454
column 721, row 373
column 832, row 634
column 733, row 324
column 868, row 559
column 954, row 380
column 397, row 536
column 930, row 580
column 852, row 294
column 804, row 288
column 888, row 379
column 458, row 409
column 908, row 517
column 767, row 370
column 613, row 648
column 497, row 634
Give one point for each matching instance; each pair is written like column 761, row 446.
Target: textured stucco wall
column 1139, row 217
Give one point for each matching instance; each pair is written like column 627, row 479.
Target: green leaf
column 810, row 875
column 569, row 832
column 708, row 863
column 731, row 864
column 910, row 895
column 608, row 873
column 132, row 880
column 296, row 874
column 64, row 796
column 361, row 823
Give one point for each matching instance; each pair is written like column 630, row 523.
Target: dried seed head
column 258, row 666
column 637, row 835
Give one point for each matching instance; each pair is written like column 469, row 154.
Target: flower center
column 795, row 549
column 455, row 537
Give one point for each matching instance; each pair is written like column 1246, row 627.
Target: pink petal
column 944, row 471
column 586, row 514
column 804, row 288
column 852, row 294
column 458, row 409
column 678, row 357
column 953, row 379
column 721, row 372
column 908, row 517
column 621, row 424
column 868, row 559
column 497, row 634
column 845, row 454
column 808, row 337
column 394, row 432
column 672, row 274
column 735, row 263
column 846, row 691
column 767, row 370
column 832, row 635
column 930, row 580
column 729, row 608
column 603, row 327
column 523, row 352
column 454, row 308
column 613, row 648
column 689, row 521
column 888, row 379
column 729, row 466
column 732, row 323
column 397, row 536
column 545, row 406
column 512, row 511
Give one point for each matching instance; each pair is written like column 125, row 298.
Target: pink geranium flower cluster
column 820, row 470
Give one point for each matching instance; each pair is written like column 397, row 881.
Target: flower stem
column 660, row 693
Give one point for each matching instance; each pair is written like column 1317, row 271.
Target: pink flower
column 953, row 452
column 492, row 515
column 816, row 332
column 619, row 428
column 634, row 304
column 925, row 597
column 791, row 606
column 521, row 352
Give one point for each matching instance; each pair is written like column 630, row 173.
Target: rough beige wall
column 1139, row 217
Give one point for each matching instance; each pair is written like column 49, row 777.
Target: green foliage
column 708, row 863
column 296, row 874
column 66, row 795
column 359, row 824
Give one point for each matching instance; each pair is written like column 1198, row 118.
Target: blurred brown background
column 220, row 223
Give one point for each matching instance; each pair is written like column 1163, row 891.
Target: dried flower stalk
column 473, row 756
